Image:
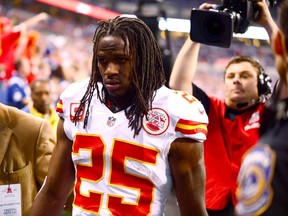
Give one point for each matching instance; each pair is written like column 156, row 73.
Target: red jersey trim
column 190, row 127
column 59, row 107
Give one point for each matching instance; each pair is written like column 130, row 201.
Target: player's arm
column 185, row 64
column 187, row 166
column 60, row 178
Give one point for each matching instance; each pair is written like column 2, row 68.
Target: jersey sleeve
column 189, row 116
column 68, row 103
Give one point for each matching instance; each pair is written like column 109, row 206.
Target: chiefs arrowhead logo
column 157, row 121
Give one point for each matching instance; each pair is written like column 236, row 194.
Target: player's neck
column 116, row 104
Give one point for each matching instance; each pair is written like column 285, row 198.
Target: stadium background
column 67, row 37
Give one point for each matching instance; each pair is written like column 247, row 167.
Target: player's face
column 115, row 65
column 241, row 83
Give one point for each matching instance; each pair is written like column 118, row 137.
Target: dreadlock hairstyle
column 147, row 73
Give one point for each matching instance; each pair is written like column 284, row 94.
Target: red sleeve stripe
column 195, row 131
column 59, row 107
column 190, row 127
column 188, row 122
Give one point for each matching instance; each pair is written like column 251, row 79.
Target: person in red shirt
column 233, row 122
column 8, row 43
column 13, row 42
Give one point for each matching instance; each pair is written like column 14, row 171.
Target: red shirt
column 8, row 45
column 227, row 141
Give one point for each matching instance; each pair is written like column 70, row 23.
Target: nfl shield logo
column 111, row 121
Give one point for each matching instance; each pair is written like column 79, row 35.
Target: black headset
column 264, row 82
column 275, row 110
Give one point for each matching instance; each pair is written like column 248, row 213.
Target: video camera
column 216, row 26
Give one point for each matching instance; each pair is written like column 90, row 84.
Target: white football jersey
column 116, row 173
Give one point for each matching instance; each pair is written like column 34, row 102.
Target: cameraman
column 228, row 138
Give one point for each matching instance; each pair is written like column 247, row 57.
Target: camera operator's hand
column 265, row 19
column 208, row 6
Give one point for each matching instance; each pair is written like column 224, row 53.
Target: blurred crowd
column 59, row 49
column 53, row 49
